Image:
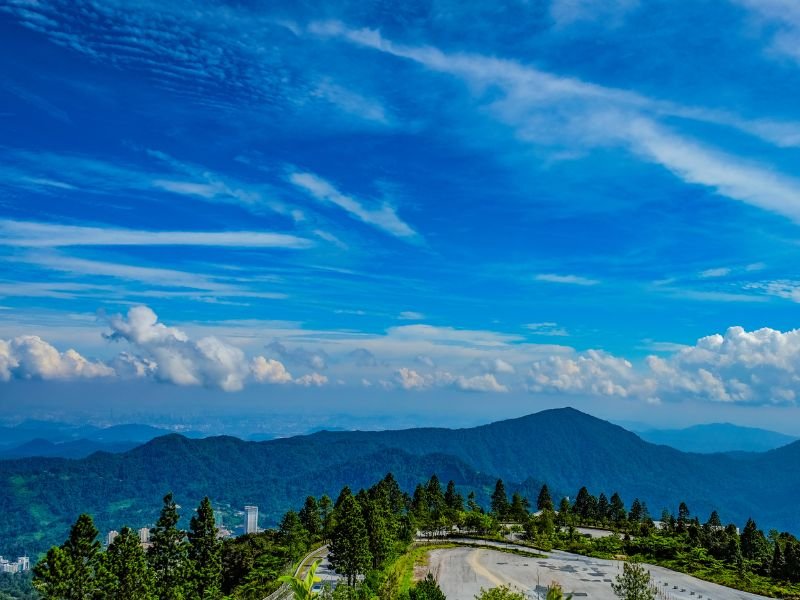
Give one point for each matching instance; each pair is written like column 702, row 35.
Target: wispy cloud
column 383, row 217
column 585, row 115
column 52, row 235
column 567, row 279
column 548, row 328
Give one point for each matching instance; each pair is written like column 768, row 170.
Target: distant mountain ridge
column 718, row 437
column 565, row 448
column 62, row 440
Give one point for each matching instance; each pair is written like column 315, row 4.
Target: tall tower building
column 144, row 535
column 251, row 519
column 112, row 535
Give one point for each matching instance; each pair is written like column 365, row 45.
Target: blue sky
column 552, row 202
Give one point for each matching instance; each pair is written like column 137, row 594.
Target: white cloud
column 752, row 367
column 313, row 359
column 410, row 315
column 50, row 235
column 496, row 366
column 593, row 372
column 567, row 12
column 716, row 272
column 311, row 380
column 480, row 383
column 548, row 328
column 30, row 357
column 566, row 113
column 383, row 217
column 568, row 279
column 269, row 371
column 209, row 361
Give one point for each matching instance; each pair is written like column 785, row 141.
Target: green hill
column 40, row 497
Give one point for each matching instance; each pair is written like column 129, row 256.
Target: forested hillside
column 564, row 448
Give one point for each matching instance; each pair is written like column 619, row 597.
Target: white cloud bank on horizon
column 747, row 367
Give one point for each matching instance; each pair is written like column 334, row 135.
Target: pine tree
column 427, row 589
column 293, row 536
column 453, row 500
column 325, row 513
column 544, row 501
column 168, row 553
column 205, row 555
column 617, row 509
column 500, row 500
column 380, row 528
column 131, row 576
column 519, row 508
column 310, row 518
column 52, row 576
column 637, row 512
column 75, row 571
column 778, row 566
column 633, row 583
column 349, row 547
column 603, row 508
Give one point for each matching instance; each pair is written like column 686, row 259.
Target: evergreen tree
column 293, row 536
column 310, row 517
column 349, row 547
column 519, row 508
column 168, row 553
column 396, row 499
column 325, row 512
column 754, row 544
column 472, row 503
column 683, row 517
column 778, row 566
column 563, row 512
column 380, row 528
column 603, row 508
column 637, row 512
column 130, row 575
column 205, row 555
column 616, row 510
column 427, row 589
column 500, row 500
column 633, row 583
column 75, row 571
column 453, row 500
column 544, row 501
column 53, row 576
column 582, row 504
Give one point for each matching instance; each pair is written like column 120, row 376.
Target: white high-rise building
column 112, row 535
column 251, row 519
column 144, row 535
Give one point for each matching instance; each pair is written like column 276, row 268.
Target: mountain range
column 718, row 437
column 40, row 497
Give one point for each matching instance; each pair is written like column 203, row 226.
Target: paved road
column 462, row 572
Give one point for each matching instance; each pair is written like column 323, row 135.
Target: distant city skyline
column 434, row 214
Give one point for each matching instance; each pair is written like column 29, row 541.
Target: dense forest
column 40, row 497
column 370, row 535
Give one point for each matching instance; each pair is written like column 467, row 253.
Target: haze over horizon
column 399, row 215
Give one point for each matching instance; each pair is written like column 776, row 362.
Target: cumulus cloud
column 313, row 359
column 496, row 365
column 409, row 379
column 593, row 372
column 30, row 357
column 754, row 367
column 209, row 361
column 269, row 371
column 480, row 383
column 312, row 380
column 364, row 358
